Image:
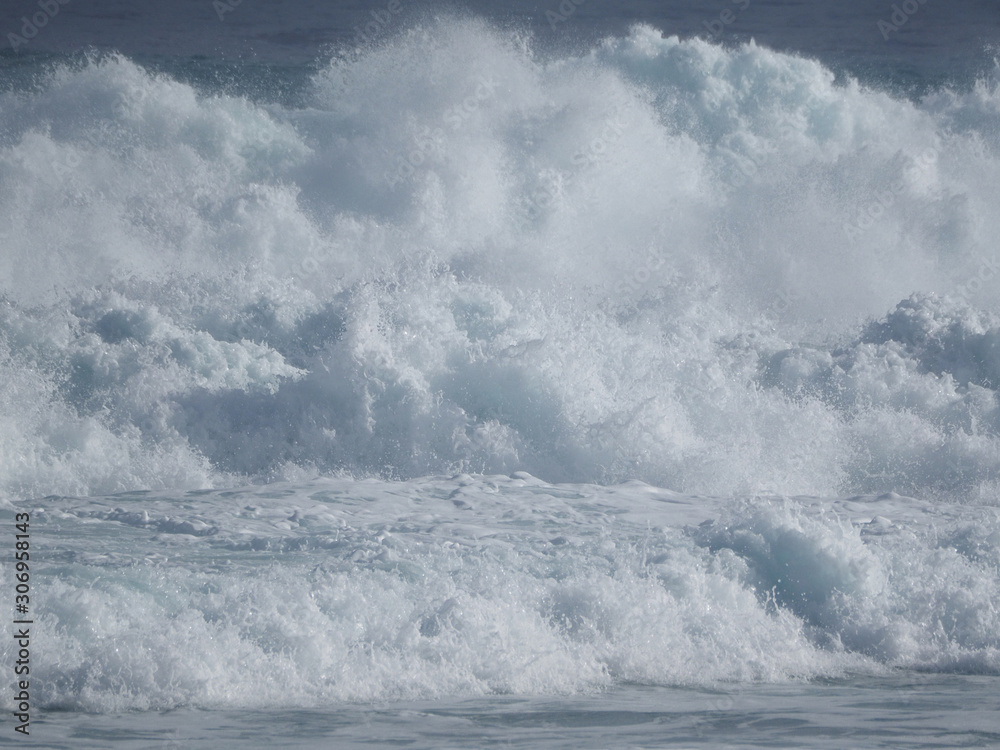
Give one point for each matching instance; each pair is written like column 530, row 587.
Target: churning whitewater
column 561, row 281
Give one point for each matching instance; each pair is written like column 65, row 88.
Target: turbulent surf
column 450, row 309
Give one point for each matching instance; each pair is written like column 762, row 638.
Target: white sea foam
column 714, row 270
column 651, row 261
column 339, row 590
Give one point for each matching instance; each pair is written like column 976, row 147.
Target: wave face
column 715, row 270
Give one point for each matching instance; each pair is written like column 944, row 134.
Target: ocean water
column 449, row 377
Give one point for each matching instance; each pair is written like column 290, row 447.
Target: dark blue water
column 937, row 41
